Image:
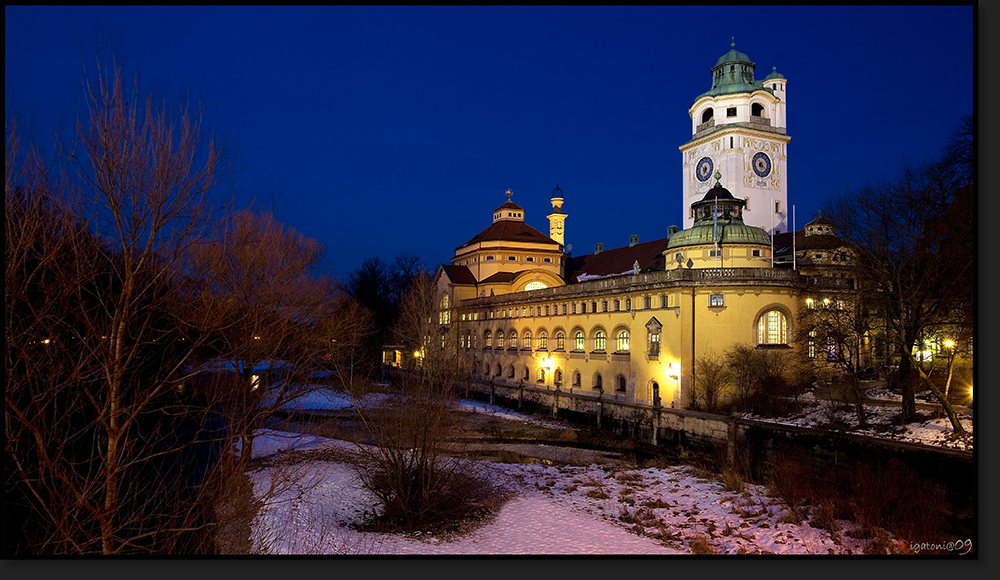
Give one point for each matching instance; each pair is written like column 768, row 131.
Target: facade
column 631, row 322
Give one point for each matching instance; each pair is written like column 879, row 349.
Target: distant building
column 632, row 321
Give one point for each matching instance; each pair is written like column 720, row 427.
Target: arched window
column 543, row 340
column 621, row 344
column 560, row 341
column 510, row 372
column 513, row 339
column 620, row 384
column 577, row 379
column 600, row 340
column 500, row 340
column 541, row 375
column 558, row 378
column 757, row 110
column 536, row 285
column 707, row 115
column 526, row 341
column 488, row 339
column 772, row 328
column 499, row 370
column 598, row 382
column 578, row 341
column 525, row 374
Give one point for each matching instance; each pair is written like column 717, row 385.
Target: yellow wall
column 690, row 329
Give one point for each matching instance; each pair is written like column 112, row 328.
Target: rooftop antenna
column 715, row 218
column 793, row 238
column 772, row 235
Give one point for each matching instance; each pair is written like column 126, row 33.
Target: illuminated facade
column 632, row 321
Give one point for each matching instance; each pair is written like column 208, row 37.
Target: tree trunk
column 909, row 407
column 956, row 423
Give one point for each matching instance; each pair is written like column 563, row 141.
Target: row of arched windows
column 497, row 370
column 599, row 340
column 771, row 329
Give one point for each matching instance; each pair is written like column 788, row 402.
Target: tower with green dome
column 738, row 128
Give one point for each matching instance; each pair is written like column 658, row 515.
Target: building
column 632, row 322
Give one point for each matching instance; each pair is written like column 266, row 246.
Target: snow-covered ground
column 554, row 509
column 821, row 413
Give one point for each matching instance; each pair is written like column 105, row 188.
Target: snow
column 553, row 509
column 821, row 413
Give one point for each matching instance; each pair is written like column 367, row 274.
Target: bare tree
column 408, row 467
column 713, row 376
column 258, row 282
column 834, row 332
column 104, row 446
column 759, row 376
column 913, row 245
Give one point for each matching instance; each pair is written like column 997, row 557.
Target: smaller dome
column 774, row 74
column 718, row 192
column 557, row 192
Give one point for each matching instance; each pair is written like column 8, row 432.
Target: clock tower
column 557, row 219
column 738, row 129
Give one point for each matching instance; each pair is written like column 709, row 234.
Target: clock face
column 762, row 164
column 704, row 169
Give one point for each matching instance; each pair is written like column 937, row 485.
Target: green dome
column 733, row 74
column 774, row 74
column 732, row 56
column 729, row 233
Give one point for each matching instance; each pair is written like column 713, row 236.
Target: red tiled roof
column 510, row 231
column 500, row 277
column 459, row 274
column 619, row 260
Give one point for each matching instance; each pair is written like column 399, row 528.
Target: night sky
column 386, row 130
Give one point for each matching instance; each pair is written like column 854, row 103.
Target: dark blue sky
column 390, row 129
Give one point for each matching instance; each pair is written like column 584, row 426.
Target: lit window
column 526, row 341
column 716, row 300
column 560, row 341
column 513, row 339
column 500, row 341
column 600, row 340
column 541, row 375
column 543, row 341
column 772, row 328
column 578, row 341
column 488, row 339
column 622, row 342
column 654, row 344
